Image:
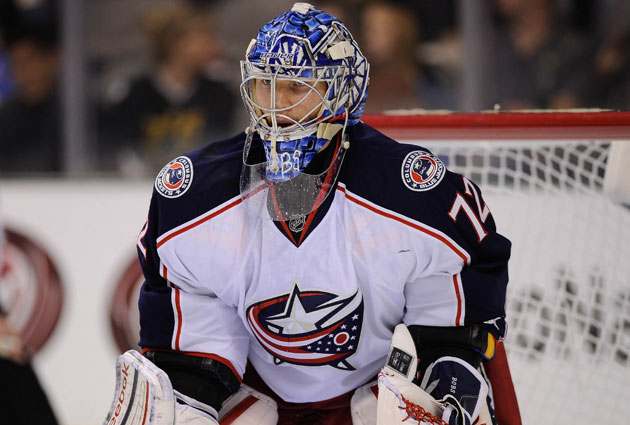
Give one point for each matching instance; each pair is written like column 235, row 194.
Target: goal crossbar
column 504, row 125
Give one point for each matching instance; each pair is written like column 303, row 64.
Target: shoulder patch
column 422, row 171
column 175, row 178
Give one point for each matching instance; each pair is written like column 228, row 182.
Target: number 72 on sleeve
column 477, row 218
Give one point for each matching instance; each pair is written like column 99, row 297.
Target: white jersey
column 312, row 303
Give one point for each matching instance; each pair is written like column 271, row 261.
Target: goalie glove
column 460, row 387
column 399, row 400
column 144, row 395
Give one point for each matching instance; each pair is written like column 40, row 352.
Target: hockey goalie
column 311, row 270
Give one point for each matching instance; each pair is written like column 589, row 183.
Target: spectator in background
column 538, row 61
column 390, row 39
column 30, row 139
column 6, row 84
column 175, row 107
column 344, row 10
column 437, row 18
column 609, row 87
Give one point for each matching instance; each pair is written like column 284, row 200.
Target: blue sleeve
column 157, row 315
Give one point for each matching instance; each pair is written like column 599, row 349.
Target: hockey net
column 543, row 176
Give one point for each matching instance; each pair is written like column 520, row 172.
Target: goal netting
column 544, row 178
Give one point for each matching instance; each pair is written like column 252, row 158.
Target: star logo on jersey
column 309, row 328
column 422, row 171
column 175, row 178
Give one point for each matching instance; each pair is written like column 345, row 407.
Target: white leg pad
column 248, row 407
column 363, row 404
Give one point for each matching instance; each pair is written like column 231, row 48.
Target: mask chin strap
column 328, row 130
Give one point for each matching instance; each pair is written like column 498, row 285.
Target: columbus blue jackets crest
column 310, row 328
column 175, row 178
column 422, row 171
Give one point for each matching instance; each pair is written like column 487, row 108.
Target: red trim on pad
column 238, row 410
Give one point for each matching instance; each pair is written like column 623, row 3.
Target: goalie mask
column 304, row 80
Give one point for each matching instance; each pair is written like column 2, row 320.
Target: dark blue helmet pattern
column 309, row 43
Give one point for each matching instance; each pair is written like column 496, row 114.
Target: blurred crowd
column 163, row 76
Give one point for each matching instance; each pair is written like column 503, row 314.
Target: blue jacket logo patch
column 422, row 171
column 175, row 178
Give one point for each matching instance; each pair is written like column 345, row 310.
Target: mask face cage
column 266, row 118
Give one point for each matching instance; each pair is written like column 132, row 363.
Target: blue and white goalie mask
column 304, row 80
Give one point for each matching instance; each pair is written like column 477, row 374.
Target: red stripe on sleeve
column 178, row 307
column 458, row 317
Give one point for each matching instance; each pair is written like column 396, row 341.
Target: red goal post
column 504, row 125
column 557, row 184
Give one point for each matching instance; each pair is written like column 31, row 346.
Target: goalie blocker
column 451, row 392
